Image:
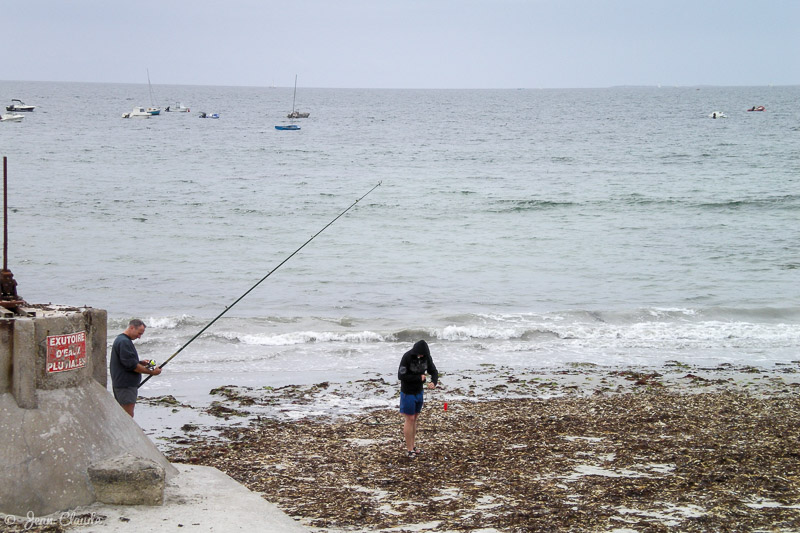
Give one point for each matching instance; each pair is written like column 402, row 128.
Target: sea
column 527, row 228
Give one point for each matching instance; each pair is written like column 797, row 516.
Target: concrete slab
column 199, row 499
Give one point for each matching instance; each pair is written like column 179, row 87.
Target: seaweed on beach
column 649, row 461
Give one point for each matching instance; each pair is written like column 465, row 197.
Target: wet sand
column 581, row 448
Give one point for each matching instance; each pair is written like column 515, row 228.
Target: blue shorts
column 411, row 404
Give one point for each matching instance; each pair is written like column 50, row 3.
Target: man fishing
column 414, row 366
column 126, row 368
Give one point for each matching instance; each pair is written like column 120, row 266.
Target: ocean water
column 522, row 228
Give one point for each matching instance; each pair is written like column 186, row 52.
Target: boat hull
column 291, row 127
column 138, row 112
column 19, row 106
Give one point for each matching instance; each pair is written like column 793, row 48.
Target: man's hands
column 431, row 384
column 148, row 367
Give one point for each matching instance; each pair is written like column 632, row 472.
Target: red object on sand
column 445, row 406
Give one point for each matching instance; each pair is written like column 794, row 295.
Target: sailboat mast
column 152, row 104
column 295, row 92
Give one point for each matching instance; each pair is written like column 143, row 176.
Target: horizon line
column 616, row 86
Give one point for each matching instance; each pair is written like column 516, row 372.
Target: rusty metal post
column 5, row 213
column 8, row 285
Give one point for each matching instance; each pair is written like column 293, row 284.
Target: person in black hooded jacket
column 414, row 366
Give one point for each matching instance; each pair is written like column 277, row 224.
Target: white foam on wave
column 632, row 337
column 301, row 337
column 461, row 333
column 644, row 333
column 167, row 322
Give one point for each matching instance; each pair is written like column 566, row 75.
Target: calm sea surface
column 523, row 228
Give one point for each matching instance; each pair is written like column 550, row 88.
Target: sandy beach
column 579, row 448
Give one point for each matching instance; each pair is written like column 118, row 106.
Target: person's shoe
column 417, row 451
column 412, row 454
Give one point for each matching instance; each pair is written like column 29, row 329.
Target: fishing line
column 228, row 308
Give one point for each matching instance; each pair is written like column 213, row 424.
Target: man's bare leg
column 410, row 430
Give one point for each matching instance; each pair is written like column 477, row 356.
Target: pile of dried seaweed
column 646, row 461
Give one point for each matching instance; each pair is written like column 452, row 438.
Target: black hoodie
column 412, row 367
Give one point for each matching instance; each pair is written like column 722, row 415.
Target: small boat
column 11, row 118
column 288, row 127
column 295, row 113
column 21, row 106
column 138, row 112
column 153, row 110
column 718, row 114
column 178, row 108
column 757, row 108
column 203, row 114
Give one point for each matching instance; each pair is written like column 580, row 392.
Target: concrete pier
column 58, row 420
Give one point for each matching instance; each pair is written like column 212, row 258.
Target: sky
column 405, row 43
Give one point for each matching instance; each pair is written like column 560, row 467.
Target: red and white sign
column 66, row 352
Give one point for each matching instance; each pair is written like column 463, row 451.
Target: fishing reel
column 150, row 364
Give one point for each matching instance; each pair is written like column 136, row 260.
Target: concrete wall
column 6, row 333
column 32, row 332
column 56, row 424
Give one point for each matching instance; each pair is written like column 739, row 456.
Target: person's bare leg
column 129, row 408
column 410, row 430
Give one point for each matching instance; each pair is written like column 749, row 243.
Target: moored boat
column 288, row 127
column 11, row 118
column 153, row 109
column 138, row 112
column 295, row 113
column 20, row 106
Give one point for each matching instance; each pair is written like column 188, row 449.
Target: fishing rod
column 228, row 308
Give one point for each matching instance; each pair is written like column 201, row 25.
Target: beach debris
column 652, row 458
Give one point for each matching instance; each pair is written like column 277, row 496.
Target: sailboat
column 295, row 113
column 153, row 110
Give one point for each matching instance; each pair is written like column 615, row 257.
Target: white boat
column 718, row 114
column 11, row 118
column 21, row 106
column 295, row 113
column 138, row 112
column 178, row 108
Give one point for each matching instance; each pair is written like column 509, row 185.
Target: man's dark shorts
column 411, row 404
column 126, row 395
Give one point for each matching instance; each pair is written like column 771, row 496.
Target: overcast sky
column 405, row 43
